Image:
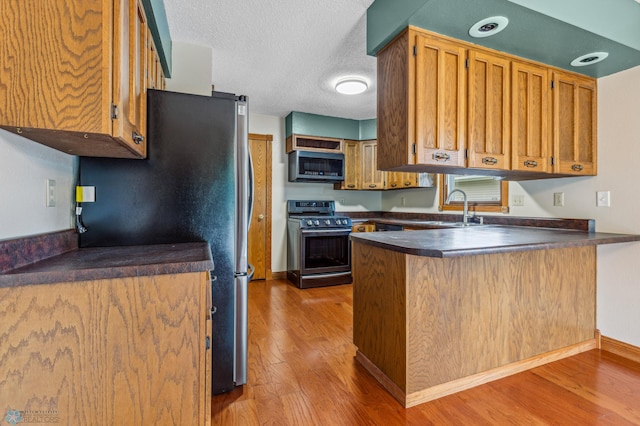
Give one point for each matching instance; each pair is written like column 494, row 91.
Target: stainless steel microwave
column 312, row 166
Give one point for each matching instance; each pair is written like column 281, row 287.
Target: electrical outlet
column 51, row 193
column 558, row 199
column 603, row 199
column 402, row 201
column 517, row 200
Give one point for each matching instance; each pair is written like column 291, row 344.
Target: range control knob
column 309, row 223
column 327, row 222
column 316, row 222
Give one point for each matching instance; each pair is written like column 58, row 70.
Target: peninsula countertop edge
column 485, row 239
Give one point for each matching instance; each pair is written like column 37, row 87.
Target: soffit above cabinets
column 548, row 31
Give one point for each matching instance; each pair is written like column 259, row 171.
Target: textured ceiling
column 286, row 55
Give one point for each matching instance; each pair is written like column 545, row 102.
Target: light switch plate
column 558, row 199
column 603, row 199
column 517, row 200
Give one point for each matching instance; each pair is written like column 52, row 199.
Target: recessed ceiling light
column 488, row 27
column 351, row 86
column 589, row 59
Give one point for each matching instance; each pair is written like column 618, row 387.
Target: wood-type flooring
column 302, row 371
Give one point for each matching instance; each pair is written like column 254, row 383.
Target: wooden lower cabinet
column 127, row 351
column 364, row 227
column 427, row 327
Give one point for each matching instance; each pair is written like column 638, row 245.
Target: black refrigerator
column 194, row 185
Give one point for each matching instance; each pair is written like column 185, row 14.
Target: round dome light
column 488, row 27
column 351, row 86
column 589, row 59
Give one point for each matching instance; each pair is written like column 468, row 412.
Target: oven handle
column 333, row 231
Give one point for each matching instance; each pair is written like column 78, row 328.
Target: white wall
column 283, row 190
column 24, row 168
column 191, row 69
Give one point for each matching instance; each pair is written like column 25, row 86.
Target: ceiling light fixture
column 488, row 26
column 351, row 86
column 589, row 59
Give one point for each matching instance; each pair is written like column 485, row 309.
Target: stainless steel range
column 319, row 250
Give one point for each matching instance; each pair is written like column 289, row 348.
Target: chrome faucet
column 465, row 208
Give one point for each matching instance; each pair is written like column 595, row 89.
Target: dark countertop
column 484, row 239
column 112, row 262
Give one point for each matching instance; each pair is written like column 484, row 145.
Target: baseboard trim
column 382, row 378
column 448, row 388
column 282, row 275
column 619, row 348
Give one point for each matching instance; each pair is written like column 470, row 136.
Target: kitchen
column 25, row 166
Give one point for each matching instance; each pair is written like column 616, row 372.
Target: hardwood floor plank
column 302, row 372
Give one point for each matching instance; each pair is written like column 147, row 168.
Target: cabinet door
column 489, row 111
column 574, row 124
column 351, row 165
column 440, row 97
column 530, row 128
column 129, row 86
column 372, row 178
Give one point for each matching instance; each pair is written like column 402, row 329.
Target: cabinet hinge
column 553, row 85
column 415, row 50
column 413, row 149
column 114, row 111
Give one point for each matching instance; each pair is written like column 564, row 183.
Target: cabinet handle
column 441, row 156
column 360, row 229
column 351, row 186
column 373, row 185
column 577, row 167
column 393, row 185
column 407, row 184
column 531, row 163
column 489, row 160
column 137, row 138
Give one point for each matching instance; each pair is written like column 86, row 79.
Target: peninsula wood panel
column 379, row 309
column 120, row 351
column 450, row 318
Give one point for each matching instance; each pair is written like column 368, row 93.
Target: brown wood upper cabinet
column 352, row 167
column 531, row 133
column 574, row 124
column 448, row 106
column 489, row 111
column 372, row 178
column 74, row 75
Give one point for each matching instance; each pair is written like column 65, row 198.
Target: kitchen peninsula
column 439, row 311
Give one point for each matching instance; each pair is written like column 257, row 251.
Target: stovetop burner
column 316, row 214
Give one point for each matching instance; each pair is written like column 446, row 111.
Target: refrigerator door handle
column 250, row 189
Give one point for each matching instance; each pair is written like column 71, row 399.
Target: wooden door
column 440, row 98
column 489, row 107
column 372, row 178
column 260, row 229
column 530, row 128
column 574, row 124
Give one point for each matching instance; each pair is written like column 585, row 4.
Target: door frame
column 268, row 140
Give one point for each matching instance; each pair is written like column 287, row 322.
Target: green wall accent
column 302, row 123
column 368, row 129
column 386, row 19
column 530, row 34
column 159, row 27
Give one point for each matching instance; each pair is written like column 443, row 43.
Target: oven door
column 324, row 251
